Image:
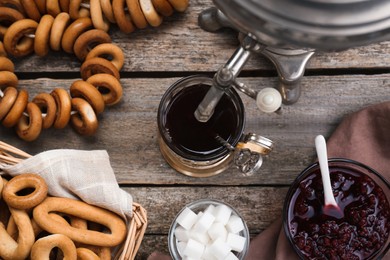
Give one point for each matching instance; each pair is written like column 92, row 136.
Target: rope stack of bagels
column 79, row 27
column 33, row 224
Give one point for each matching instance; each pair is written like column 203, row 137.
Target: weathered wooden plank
column 258, row 206
column 128, row 131
column 153, row 243
column 180, row 45
column 155, row 58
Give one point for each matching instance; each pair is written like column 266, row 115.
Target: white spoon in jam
column 330, row 206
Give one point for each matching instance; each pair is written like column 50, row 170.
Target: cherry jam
column 360, row 234
column 197, row 139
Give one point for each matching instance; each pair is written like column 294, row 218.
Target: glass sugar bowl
column 208, row 229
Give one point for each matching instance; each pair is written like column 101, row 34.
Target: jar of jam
column 362, row 231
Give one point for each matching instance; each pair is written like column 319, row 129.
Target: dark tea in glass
column 199, row 140
column 196, row 148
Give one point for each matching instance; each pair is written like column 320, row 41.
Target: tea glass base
column 194, row 168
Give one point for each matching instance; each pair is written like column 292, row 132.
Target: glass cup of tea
column 203, row 149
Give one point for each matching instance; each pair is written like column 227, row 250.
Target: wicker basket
column 10, row 155
column 135, row 234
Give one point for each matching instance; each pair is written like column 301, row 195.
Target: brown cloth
column 363, row 136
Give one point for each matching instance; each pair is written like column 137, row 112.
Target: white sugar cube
column 187, row 218
column 235, row 224
column 212, row 234
column 222, row 214
column 207, row 254
column 204, row 222
column 200, row 213
column 217, row 230
column 236, row 242
column 193, row 249
column 180, row 248
column 182, row 234
column 219, row 249
column 200, row 237
column 231, row 256
column 210, row 209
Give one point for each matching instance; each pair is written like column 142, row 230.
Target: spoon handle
column 323, row 161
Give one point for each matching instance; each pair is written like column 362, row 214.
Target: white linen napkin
column 77, row 174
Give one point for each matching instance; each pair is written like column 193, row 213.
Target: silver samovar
column 288, row 32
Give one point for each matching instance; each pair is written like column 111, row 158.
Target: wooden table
column 335, row 84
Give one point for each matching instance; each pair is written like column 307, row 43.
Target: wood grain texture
column 335, row 85
column 258, row 206
column 128, row 131
column 180, row 45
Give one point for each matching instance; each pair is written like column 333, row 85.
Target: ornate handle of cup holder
column 248, row 153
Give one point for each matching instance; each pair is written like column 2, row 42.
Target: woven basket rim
column 135, row 233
